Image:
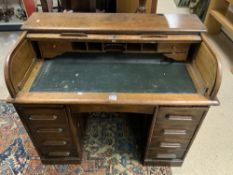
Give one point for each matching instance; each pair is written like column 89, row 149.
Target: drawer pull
column 179, row 118
column 59, row 154
column 166, row 156
column 154, row 36
column 55, row 143
column 170, row 145
column 50, row 130
column 174, row 132
column 74, row 34
column 43, row 117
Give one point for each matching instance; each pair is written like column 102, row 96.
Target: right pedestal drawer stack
column 172, row 131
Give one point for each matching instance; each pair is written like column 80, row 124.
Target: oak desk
column 156, row 68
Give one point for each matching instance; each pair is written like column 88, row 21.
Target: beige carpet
column 7, row 40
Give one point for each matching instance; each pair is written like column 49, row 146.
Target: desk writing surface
column 112, row 72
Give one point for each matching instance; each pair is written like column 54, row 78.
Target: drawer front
column 42, row 133
column 112, row 108
column 50, row 49
column 44, row 117
column 59, row 152
column 170, row 130
column 165, row 154
column 55, row 143
column 170, row 143
column 182, row 115
column 168, row 47
column 46, row 137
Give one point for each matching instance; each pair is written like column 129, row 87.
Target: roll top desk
column 159, row 68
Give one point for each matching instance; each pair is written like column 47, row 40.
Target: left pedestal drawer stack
column 50, row 132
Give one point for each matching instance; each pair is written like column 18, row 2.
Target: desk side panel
column 207, row 63
column 19, row 63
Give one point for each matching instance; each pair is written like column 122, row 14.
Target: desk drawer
column 169, row 47
column 59, row 152
column 55, row 143
column 180, row 115
column 44, row 116
column 112, row 108
column 166, row 130
column 171, row 143
column 41, row 133
column 165, row 153
column 50, row 49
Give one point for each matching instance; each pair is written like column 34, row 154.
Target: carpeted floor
column 109, row 151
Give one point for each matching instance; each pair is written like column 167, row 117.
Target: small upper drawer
column 180, row 115
column 169, row 47
column 112, row 108
column 43, row 116
column 50, row 49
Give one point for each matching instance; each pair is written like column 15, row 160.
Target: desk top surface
column 120, row 73
column 114, row 23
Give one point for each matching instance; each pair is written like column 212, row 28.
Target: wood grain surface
column 113, row 23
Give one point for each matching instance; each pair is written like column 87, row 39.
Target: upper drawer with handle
column 44, row 116
column 180, row 115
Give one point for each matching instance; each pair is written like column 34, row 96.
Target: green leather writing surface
column 112, row 72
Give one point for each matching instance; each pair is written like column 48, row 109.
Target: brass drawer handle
column 59, row 154
column 174, row 132
column 55, row 143
column 166, row 156
column 40, row 117
column 179, row 118
column 170, row 145
column 50, row 130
